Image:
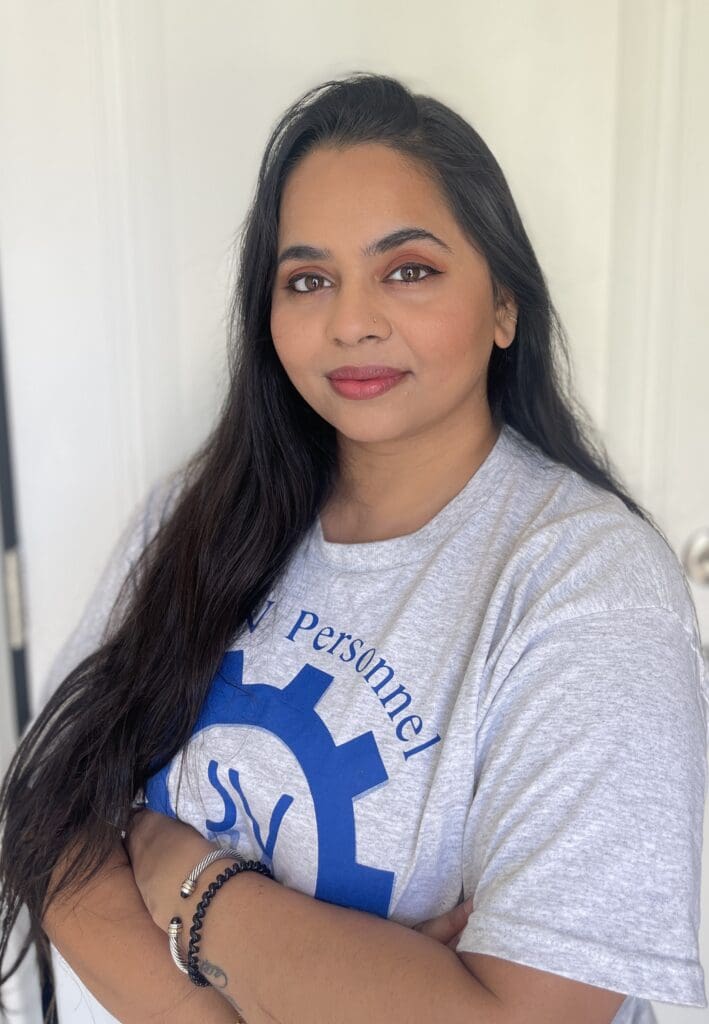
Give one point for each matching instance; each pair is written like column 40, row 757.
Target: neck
column 392, row 489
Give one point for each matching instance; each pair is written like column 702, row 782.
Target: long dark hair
column 252, row 491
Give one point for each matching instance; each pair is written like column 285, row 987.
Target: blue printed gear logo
column 336, row 775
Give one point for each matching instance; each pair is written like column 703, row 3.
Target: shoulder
column 579, row 550
column 105, row 604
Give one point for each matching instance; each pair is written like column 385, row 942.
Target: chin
column 369, row 432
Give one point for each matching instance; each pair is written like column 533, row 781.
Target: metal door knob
column 695, row 557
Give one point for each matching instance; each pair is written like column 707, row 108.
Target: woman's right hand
column 447, row 928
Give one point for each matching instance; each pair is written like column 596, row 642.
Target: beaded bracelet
column 193, row 971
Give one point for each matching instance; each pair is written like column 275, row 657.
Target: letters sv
column 228, row 822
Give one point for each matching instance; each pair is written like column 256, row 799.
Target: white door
column 131, row 135
column 657, row 421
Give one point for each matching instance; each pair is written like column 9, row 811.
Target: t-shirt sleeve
column 583, row 841
column 89, row 632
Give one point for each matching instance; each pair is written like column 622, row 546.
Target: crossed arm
column 108, row 935
column 274, row 954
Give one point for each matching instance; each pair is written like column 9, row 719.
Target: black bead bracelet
column 193, row 971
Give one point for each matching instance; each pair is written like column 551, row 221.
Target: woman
column 397, row 633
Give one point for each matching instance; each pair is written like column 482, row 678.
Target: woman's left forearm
column 281, row 956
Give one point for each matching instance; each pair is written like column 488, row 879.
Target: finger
column 457, row 918
column 443, row 927
column 440, row 928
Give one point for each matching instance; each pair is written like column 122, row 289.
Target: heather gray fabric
column 509, row 703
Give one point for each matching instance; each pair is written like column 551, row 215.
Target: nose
column 355, row 316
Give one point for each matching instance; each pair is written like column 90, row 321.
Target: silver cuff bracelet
column 190, row 883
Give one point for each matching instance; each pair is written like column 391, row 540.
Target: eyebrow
column 380, row 245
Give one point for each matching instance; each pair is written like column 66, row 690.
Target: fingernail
column 468, row 905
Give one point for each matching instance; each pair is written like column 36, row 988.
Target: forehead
column 349, row 187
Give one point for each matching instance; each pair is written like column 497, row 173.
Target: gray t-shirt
column 510, row 703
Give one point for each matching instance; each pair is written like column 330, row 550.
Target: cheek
column 452, row 340
column 297, row 349
column 277, row 322
column 461, row 333
column 454, row 358
column 287, row 336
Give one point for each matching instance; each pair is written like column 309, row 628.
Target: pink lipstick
column 364, row 381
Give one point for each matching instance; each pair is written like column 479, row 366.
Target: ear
column 506, row 321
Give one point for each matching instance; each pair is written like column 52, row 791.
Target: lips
column 372, row 387
column 364, row 372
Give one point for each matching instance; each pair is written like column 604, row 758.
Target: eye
column 414, row 266
column 303, row 277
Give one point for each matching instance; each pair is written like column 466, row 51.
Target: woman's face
column 342, row 307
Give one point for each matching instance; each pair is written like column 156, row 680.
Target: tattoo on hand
column 217, row 977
